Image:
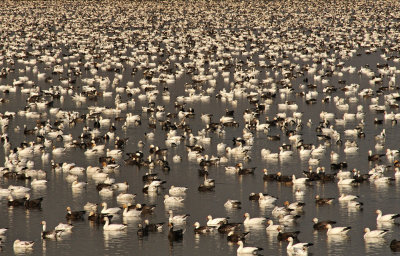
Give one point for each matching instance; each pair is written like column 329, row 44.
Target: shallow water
column 89, row 239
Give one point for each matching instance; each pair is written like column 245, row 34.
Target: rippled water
column 89, row 239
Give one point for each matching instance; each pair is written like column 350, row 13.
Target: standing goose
column 247, row 250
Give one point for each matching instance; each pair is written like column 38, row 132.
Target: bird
column 272, row 227
column 337, row 230
column 282, row 236
column 177, row 219
column 32, row 203
column 74, row 215
column 322, row 225
column 235, row 237
column 153, row 227
column 113, row 227
column 174, row 235
column 201, row 229
column 53, row 234
column 216, row 221
column 386, row 217
column 105, row 210
column 253, row 221
column 142, row 230
column 323, row 201
column 395, row 245
column 374, row 233
column 247, row 250
column 23, row 244
column 298, row 248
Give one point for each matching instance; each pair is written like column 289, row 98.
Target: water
column 90, row 239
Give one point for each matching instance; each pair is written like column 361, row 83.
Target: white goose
column 299, row 248
column 272, row 227
column 345, row 197
column 299, row 181
column 177, row 219
column 247, row 250
column 106, row 210
column 23, row 244
column 215, row 222
column 253, row 221
column 113, row 227
column 386, row 217
column 374, row 233
column 337, row 230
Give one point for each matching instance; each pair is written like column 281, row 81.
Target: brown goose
column 321, row 225
column 76, row 215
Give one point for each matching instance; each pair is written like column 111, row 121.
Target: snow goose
column 23, row 244
column 345, row 182
column 288, row 219
column 236, row 204
column 299, row 181
column 295, row 206
column 337, row 230
column 177, row 219
column 78, row 185
column 272, row 227
column 386, row 217
column 355, row 205
column 49, row 234
column 113, row 227
column 266, row 200
column 374, row 233
column 131, row 211
column 173, row 200
column 126, row 197
column 64, row 227
column 177, row 190
column 247, row 250
column 216, row 221
column 253, row 221
column 105, row 210
column 345, row 197
column 297, row 249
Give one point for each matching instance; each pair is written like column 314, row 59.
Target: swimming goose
column 173, row 200
column 142, row 231
column 235, row 237
column 76, row 215
column 395, row 245
column 386, row 217
column 228, row 227
column 106, row 210
column 253, row 221
column 337, row 230
column 247, row 250
column 282, row 236
column 131, row 212
column 49, row 234
column 216, row 221
column 153, row 227
column 32, row 203
column 201, row 229
column 345, row 197
column 374, row 233
column 321, row 225
column 113, row 227
column 233, row 204
column 3, row 231
column 272, row 227
column 298, row 248
column 177, row 219
column 174, row 235
column 23, row 244
column 64, row 227
column 15, row 202
column 295, row 206
column 323, row 201
column 345, row 182
column 299, row 181
column 177, row 190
